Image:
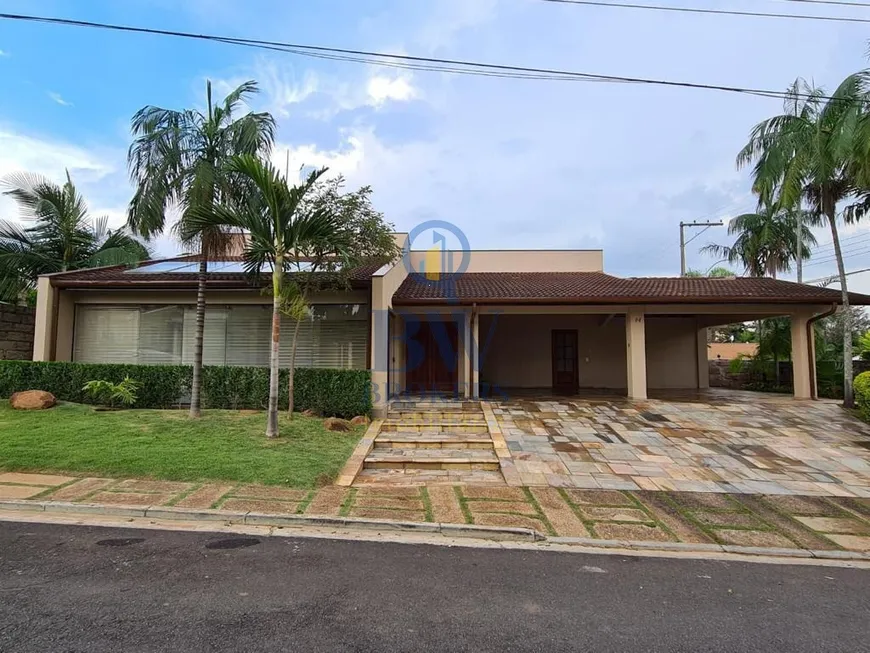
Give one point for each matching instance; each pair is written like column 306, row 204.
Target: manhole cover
column 233, row 543
column 121, row 541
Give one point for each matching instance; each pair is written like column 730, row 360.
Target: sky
column 512, row 163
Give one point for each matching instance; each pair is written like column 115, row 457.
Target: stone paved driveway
column 716, row 441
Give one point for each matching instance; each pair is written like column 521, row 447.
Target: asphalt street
column 78, row 588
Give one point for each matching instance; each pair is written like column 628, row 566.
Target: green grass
column 165, row 444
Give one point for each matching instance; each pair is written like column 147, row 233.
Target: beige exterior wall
column 385, row 283
column 530, row 260
column 516, row 350
column 672, row 352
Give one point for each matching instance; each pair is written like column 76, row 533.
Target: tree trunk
column 290, row 403
column 274, row 356
column 848, row 396
column 196, row 383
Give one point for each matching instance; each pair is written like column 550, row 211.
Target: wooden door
column 566, row 377
column 432, row 357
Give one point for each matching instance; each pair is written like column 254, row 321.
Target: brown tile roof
column 120, row 276
column 600, row 288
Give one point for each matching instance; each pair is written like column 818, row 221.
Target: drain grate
column 121, row 541
column 232, row 543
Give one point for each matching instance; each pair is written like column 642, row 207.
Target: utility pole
column 683, row 243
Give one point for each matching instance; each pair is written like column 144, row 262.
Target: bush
column 339, row 393
column 862, row 393
column 112, row 394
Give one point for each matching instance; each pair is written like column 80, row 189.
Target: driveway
column 710, row 441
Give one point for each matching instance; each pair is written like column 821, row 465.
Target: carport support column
column 635, row 354
column 801, row 357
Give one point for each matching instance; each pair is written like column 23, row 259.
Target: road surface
column 77, row 588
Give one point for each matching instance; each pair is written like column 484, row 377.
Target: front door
column 432, row 356
column 565, row 374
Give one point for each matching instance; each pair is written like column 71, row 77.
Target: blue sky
column 515, row 164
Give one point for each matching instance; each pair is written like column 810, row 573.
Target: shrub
column 338, row 393
column 114, row 394
column 862, row 393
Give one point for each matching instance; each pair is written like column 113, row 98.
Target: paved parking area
column 714, row 441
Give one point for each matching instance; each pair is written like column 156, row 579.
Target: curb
column 494, row 533
column 686, row 547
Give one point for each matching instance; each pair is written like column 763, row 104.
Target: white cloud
column 381, row 89
column 3, row 53
column 98, row 172
column 345, row 160
column 56, row 97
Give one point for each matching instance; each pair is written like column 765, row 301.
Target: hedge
column 341, row 393
column 861, row 387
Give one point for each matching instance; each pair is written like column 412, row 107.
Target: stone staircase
column 432, row 441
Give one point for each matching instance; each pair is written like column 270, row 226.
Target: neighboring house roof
column 139, row 276
column 730, row 350
column 600, row 288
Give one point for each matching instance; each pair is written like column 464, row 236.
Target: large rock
column 32, row 400
column 337, row 424
column 360, row 420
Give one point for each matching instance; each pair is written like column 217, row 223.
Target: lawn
column 166, row 444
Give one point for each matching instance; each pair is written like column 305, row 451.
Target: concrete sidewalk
column 770, row 521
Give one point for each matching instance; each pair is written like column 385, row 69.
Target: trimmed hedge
column 340, row 393
column 861, row 387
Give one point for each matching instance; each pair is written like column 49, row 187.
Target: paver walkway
column 812, row 523
column 717, row 441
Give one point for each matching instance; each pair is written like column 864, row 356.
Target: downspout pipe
column 814, row 386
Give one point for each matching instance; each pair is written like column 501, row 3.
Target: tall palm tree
column 178, row 159
column 806, row 153
column 57, row 235
column 279, row 227
column 766, row 242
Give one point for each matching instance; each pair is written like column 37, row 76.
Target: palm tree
column 807, row 154
column 178, row 158
column 58, row 235
column 279, row 227
column 767, row 242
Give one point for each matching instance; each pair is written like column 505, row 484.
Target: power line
column 830, row 244
column 850, row 255
column 453, row 66
column 716, row 12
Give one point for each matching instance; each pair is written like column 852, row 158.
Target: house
column 727, row 351
column 473, row 322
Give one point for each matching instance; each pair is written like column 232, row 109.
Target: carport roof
column 600, row 288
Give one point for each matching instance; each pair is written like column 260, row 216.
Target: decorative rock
column 336, row 424
column 360, row 420
column 32, row 400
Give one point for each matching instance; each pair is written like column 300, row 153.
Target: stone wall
column 16, row 332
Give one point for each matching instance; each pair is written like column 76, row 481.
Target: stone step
column 434, row 405
column 434, row 415
column 428, row 477
column 401, row 440
column 434, row 459
column 452, row 426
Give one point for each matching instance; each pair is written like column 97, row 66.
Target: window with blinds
column 331, row 335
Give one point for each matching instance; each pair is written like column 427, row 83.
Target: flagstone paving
column 813, row 523
column 717, row 441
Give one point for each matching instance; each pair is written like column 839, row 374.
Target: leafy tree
column 766, row 242
column 280, row 228
column 58, row 235
column 713, row 273
column 807, row 154
column 178, row 159
column 831, row 330
column 363, row 238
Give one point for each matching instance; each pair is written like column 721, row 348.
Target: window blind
column 332, row 335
